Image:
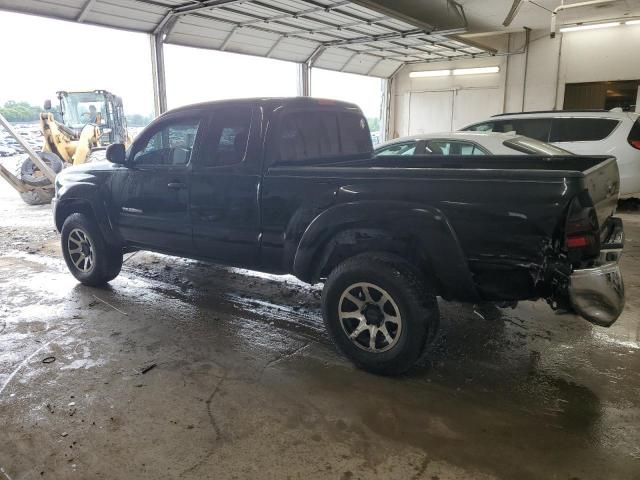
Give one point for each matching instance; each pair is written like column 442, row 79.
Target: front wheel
column 379, row 312
column 88, row 256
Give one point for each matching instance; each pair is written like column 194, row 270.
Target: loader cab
column 99, row 107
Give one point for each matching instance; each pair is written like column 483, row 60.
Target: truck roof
column 272, row 103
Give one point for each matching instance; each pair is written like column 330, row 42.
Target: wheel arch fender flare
column 411, row 230
column 83, row 198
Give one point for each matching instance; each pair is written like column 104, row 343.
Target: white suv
column 614, row 133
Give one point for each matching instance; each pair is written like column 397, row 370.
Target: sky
column 31, row 72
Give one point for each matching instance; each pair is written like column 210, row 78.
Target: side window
column 230, row 137
column 308, row 135
column 466, row 148
column 354, row 134
column 446, row 147
column 581, row 129
column 537, row 128
column 482, row 127
column 398, row 149
column 477, row 151
column 439, row 147
column 171, row 144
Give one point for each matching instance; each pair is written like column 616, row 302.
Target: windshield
column 531, row 146
column 82, row 108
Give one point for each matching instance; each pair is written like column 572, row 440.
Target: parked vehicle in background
column 587, row 132
column 7, row 151
column 468, row 143
column 289, row 186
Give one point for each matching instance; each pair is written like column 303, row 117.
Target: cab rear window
column 307, row 136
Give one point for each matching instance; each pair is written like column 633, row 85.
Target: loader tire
column 31, row 174
column 38, row 196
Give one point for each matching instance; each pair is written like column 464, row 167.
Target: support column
column 304, row 80
column 158, row 71
column 385, row 110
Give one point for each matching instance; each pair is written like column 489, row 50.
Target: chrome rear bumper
column 597, row 294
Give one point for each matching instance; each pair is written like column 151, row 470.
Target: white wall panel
column 586, row 56
column 475, row 104
column 430, row 112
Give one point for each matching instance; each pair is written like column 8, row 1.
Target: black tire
column 38, row 196
column 416, row 306
column 31, row 174
column 105, row 261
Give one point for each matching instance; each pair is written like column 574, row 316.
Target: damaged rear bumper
column 597, row 294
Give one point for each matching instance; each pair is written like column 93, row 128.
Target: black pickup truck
column 291, row 186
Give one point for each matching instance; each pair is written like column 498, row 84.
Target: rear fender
column 422, row 235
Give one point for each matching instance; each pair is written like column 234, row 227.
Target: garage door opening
column 198, row 75
column 366, row 92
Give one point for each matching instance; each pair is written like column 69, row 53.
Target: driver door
column 154, row 193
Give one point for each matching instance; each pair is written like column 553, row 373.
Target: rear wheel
column 88, row 256
column 379, row 312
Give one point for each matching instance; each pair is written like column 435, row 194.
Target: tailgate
column 603, row 183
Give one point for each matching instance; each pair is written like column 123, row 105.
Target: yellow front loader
column 78, row 131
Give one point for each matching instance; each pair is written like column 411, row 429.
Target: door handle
column 176, row 185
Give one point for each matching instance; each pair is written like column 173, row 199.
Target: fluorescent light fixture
column 632, row 22
column 474, row 71
column 591, row 26
column 430, row 73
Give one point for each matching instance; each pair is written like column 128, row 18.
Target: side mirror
column 116, row 153
column 47, row 104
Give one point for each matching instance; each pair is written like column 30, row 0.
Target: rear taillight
column 581, row 230
column 634, row 135
column 579, row 241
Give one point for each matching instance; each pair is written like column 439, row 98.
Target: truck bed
column 598, row 174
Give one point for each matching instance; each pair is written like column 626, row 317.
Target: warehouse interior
column 181, row 368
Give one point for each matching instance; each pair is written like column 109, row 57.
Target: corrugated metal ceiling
column 337, row 35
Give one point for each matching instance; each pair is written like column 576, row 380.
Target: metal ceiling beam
column 373, row 67
column 275, row 45
column 286, row 18
column 346, row 64
column 330, row 26
column 195, row 7
column 85, row 10
column 171, row 17
column 315, row 55
column 375, row 38
column 228, row 38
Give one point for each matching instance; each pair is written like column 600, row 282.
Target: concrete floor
column 247, row 385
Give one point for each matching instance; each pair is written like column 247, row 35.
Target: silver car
column 468, row 143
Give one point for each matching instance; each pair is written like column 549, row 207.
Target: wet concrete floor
column 245, row 383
